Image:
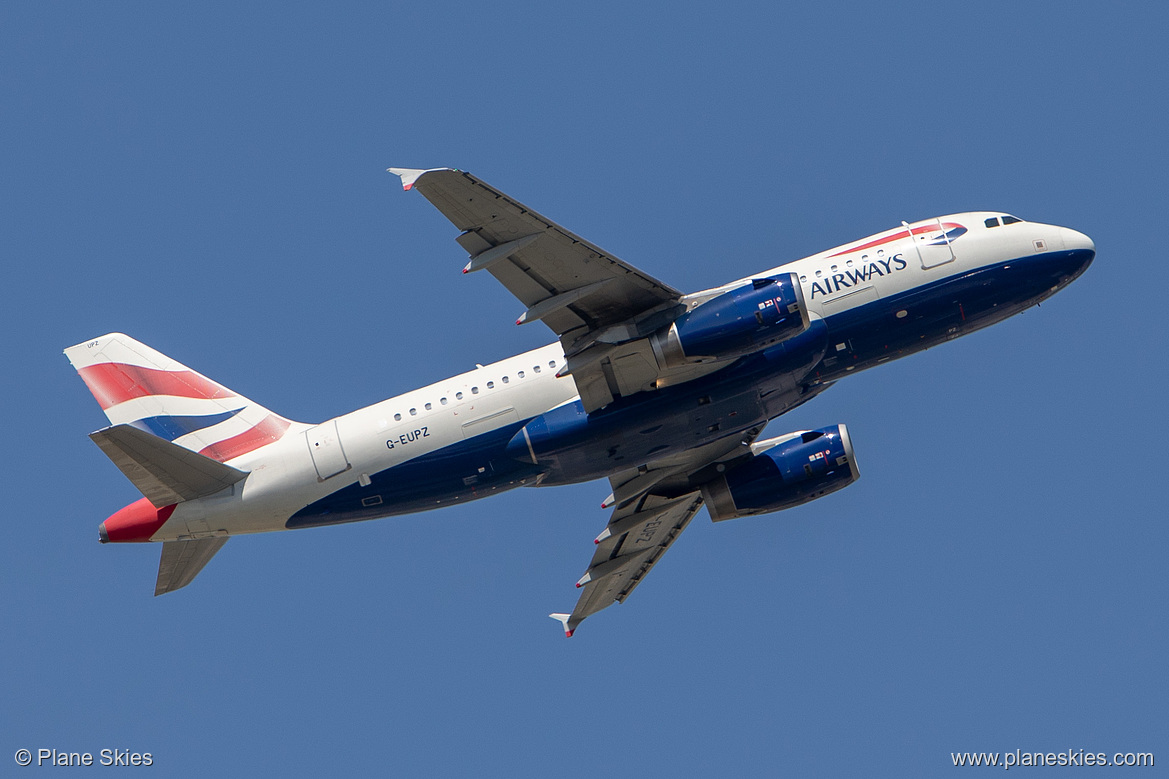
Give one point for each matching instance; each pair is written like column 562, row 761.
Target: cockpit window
column 992, row 222
column 1010, row 220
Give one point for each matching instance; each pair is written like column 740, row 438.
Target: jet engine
column 744, row 320
column 783, row 472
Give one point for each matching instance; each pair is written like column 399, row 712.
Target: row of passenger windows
column 474, row 391
column 1007, row 220
column 847, row 264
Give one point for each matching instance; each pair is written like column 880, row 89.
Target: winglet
column 563, row 620
column 411, row 175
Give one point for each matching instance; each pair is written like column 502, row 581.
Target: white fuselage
column 287, row 475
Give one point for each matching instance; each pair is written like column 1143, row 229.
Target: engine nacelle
column 794, row 469
column 744, row 320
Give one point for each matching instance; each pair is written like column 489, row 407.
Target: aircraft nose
column 1079, row 251
column 1074, row 240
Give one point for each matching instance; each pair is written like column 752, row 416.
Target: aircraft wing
column 600, row 307
column 652, row 506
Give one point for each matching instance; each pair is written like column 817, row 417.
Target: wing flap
column 181, row 562
column 653, row 504
column 589, row 298
column 537, row 270
column 164, row 472
column 623, row 558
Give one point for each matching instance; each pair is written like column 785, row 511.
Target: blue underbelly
column 943, row 310
column 470, row 469
column 570, row 446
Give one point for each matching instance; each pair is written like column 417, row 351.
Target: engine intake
column 744, row 320
column 787, row 471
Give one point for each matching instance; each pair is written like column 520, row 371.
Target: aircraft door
column 932, row 244
column 324, row 444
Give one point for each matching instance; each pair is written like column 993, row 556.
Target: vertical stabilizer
column 139, row 386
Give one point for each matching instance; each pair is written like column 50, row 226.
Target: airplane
column 665, row 394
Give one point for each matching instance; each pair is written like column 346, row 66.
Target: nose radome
column 1074, row 240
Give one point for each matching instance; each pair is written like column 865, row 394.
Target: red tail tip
column 136, row 522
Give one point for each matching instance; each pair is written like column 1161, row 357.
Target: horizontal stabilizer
column 181, row 562
column 165, row 473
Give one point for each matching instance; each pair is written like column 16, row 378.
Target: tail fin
column 138, row 386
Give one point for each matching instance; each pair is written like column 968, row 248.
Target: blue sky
column 212, row 181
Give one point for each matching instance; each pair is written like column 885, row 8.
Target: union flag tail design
column 142, row 387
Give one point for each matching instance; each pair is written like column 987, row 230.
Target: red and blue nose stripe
column 947, row 232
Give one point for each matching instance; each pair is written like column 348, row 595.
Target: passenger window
column 505, row 380
column 427, row 407
column 490, row 385
column 474, row 390
column 520, row 374
column 803, row 278
column 442, row 401
column 397, row 417
column 1010, row 220
column 992, row 222
column 458, row 396
column 819, row 273
column 552, row 363
column 413, row 412
column 536, row 368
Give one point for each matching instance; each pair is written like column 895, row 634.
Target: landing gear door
column 933, row 243
column 325, row 446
